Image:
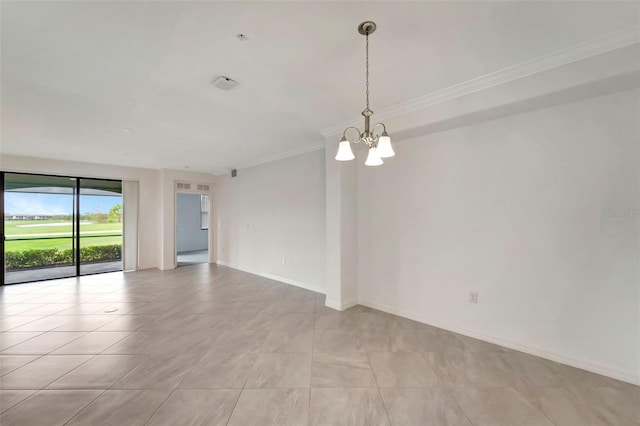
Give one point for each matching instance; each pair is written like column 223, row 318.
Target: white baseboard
column 276, row 278
column 145, row 268
column 583, row 364
column 333, row 304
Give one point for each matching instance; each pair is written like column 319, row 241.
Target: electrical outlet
column 284, row 260
column 473, row 297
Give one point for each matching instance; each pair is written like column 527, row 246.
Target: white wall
column 189, row 234
column 517, row 210
column 341, row 247
column 275, row 211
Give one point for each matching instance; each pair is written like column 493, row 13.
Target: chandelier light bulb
column 373, row 159
column 344, row 151
column 385, row 150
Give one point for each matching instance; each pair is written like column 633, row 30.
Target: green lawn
column 22, row 227
column 59, row 243
column 22, row 235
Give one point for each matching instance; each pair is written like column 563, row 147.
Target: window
column 204, row 212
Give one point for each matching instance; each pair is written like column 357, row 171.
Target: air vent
column 184, row 185
column 224, row 83
column 203, row 187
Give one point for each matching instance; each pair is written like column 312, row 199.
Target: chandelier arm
column 344, row 134
column 384, row 129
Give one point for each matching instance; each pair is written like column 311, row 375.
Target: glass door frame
column 75, row 222
column 2, row 229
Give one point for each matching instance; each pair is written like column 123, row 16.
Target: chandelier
column 379, row 144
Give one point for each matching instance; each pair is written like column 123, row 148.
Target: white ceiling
column 74, row 74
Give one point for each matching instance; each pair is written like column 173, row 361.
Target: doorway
column 58, row 226
column 192, row 229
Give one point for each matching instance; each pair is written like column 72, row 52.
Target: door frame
column 177, row 191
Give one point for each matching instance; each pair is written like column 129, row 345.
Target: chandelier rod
column 367, row 67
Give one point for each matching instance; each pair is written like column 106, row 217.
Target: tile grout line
column 313, row 344
column 243, row 385
column 50, row 354
column 79, row 365
column 28, row 322
column 49, row 390
column 146, row 357
column 37, row 357
column 85, row 407
column 524, row 398
column 375, row 379
column 160, row 406
column 446, row 389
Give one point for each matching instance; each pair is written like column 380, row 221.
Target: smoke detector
column 224, row 83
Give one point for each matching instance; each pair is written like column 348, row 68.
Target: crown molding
column 281, row 156
column 578, row 52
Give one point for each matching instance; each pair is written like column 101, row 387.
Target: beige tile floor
column 211, row 345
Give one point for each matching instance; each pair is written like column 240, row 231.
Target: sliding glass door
column 56, row 226
column 100, row 226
